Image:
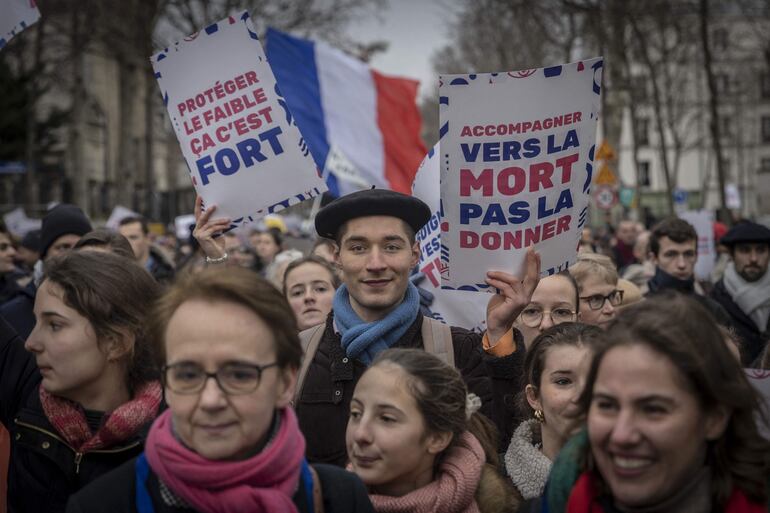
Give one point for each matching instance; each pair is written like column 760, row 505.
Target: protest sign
column 17, row 222
column 703, row 222
column 453, row 307
column 517, row 163
column 243, row 149
column 15, row 16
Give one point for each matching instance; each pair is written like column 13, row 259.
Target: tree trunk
column 723, row 213
column 31, row 186
column 77, row 175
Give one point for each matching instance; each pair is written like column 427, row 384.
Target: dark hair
column 116, row 295
column 681, row 329
column 678, row 230
column 311, row 259
column 564, row 334
column 275, row 233
column 240, row 286
column 111, row 241
column 136, row 219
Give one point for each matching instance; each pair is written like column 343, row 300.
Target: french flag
column 362, row 127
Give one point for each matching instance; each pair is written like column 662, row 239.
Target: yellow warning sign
column 605, row 152
column 606, row 176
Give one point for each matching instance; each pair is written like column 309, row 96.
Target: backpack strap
column 437, row 339
column 310, row 340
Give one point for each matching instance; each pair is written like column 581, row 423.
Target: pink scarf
column 453, row 489
column 262, row 483
column 125, row 421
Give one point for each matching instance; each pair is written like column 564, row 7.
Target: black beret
column 371, row 202
column 63, row 219
column 746, row 231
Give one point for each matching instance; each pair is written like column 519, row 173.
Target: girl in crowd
column 80, row 394
column 268, row 244
column 309, row 285
column 415, row 439
column 554, row 301
column 597, row 280
column 671, row 421
column 229, row 441
column 555, row 369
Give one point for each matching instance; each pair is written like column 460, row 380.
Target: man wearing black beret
column 377, row 307
column 744, row 290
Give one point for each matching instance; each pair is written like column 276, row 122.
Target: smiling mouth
column 630, row 465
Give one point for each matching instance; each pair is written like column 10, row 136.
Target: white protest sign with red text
column 456, row 308
column 244, row 151
column 517, row 163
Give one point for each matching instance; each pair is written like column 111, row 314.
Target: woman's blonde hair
column 594, row 264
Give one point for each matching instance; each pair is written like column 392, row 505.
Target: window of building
column 719, row 39
column 764, row 165
column 766, row 129
column 644, row 173
column 764, row 84
column 642, row 131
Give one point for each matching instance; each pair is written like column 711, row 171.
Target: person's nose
column 608, row 309
column 376, row 261
column 33, row 344
column 754, row 256
column 546, row 322
column 212, row 397
column 624, row 432
column 309, row 296
column 362, row 434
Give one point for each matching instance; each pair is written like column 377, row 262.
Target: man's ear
column 415, row 253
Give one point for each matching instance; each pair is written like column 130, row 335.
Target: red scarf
column 583, row 495
column 69, row 419
column 265, row 482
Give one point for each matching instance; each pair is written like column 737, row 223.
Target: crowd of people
column 234, row 373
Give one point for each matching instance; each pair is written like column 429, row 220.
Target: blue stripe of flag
column 293, row 62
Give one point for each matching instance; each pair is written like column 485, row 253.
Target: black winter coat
column 43, row 470
column 342, row 492
column 19, row 311
column 324, row 406
column 752, row 340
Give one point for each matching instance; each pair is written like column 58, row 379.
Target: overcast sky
column 414, row 29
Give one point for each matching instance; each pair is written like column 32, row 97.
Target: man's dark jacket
column 19, row 311
column 752, row 340
column 324, row 406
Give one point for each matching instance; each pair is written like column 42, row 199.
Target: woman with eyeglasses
column 230, row 441
column 81, row 393
column 597, row 280
column 554, row 301
column 555, row 369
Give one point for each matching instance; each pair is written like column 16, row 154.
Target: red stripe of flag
column 400, row 122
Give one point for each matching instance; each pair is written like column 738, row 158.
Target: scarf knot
column 263, row 483
column 452, row 491
column 364, row 340
column 753, row 298
column 69, row 419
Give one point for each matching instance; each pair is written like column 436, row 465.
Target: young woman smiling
column 416, row 440
column 671, row 421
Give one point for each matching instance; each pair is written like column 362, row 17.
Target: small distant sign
column 606, row 176
column 12, row 168
column 605, row 152
column 605, row 197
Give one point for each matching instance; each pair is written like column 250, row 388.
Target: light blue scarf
column 364, row 340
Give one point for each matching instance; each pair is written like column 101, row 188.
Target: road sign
column 605, row 152
column 680, row 196
column 605, row 197
column 606, row 176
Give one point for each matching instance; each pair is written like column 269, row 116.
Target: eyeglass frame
column 215, row 375
column 550, row 315
column 606, row 298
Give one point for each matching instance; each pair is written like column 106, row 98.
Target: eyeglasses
column 232, row 378
column 596, row 301
column 533, row 316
